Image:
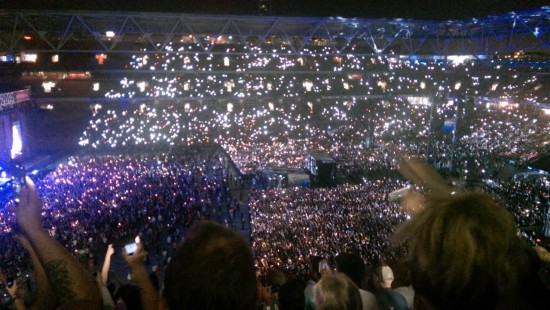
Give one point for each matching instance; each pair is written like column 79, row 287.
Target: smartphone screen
column 10, row 281
column 323, row 266
column 130, row 248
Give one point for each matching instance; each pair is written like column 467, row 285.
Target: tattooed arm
column 70, row 283
column 44, row 296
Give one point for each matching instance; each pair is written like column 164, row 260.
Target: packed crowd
column 418, row 96
column 183, row 71
column 291, row 225
column 403, row 103
column 214, row 267
column 525, row 140
column 526, row 199
column 362, row 135
column 92, row 201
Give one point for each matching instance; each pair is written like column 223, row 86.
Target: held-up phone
column 18, row 174
column 10, row 281
column 323, row 266
column 130, row 248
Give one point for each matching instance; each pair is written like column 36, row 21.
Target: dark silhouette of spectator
column 211, row 269
column 130, row 296
column 291, row 295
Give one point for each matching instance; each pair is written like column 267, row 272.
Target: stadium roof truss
column 109, row 32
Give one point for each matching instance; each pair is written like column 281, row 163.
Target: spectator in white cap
column 386, row 297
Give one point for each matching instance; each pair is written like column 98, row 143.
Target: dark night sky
column 418, row 9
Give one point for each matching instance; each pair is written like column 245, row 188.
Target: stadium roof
column 427, row 9
column 116, row 32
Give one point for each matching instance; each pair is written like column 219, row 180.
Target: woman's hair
column 465, row 253
column 337, row 292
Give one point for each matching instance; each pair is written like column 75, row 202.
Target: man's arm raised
column 70, row 283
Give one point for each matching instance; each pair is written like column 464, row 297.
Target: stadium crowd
column 182, row 71
column 362, row 136
column 291, row 225
column 92, row 201
column 361, row 101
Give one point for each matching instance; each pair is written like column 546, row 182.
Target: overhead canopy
column 138, row 32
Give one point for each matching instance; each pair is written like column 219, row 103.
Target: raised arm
column 107, row 264
column 70, row 283
column 150, row 297
column 44, row 296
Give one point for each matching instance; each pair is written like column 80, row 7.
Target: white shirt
column 369, row 300
column 408, row 293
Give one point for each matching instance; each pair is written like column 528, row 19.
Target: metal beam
column 506, row 32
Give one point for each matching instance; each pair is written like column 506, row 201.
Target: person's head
column 291, row 295
column 336, row 291
column 351, row 265
column 130, row 294
column 465, row 253
column 212, row 268
column 383, row 277
column 275, row 278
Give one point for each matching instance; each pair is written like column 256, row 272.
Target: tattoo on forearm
column 60, row 281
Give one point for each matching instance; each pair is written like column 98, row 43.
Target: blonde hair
column 465, row 253
column 337, row 292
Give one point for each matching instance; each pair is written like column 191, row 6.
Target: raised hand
column 419, row 172
column 29, row 211
column 110, row 250
column 136, row 259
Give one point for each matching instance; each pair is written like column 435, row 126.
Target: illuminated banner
column 9, row 100
column 22, row 95
column 449, row 125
